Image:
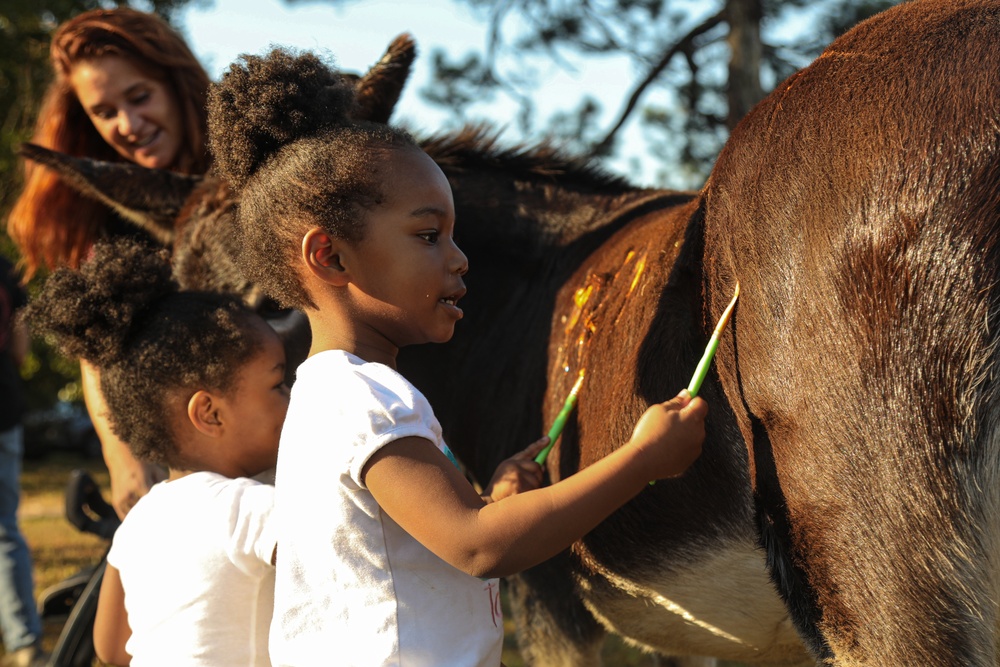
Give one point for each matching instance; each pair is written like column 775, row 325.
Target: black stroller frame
column 76, row 597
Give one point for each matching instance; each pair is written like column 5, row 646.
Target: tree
column 701, row 66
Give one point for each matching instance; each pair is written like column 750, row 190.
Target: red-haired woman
column 127, row 87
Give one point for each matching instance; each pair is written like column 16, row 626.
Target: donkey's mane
column 476, row 148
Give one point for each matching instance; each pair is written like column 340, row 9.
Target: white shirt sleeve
column 383, row 407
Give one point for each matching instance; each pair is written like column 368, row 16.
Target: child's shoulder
column 194, row 492
column 205, row 484
column 355, row 394
column 347, row 374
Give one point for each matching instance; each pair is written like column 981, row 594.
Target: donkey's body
column 859, row 207
column 580, row 271
column 845, row 508
column 852, row 446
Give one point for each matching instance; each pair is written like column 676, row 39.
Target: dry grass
column 58, row 550
column 614, row 654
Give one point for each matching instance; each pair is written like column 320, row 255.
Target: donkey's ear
column 148, row 198
column 379, row 89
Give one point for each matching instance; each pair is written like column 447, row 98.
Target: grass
column 60, row 551
column 615, row 652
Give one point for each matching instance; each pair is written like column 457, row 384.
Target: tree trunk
column 745, row 90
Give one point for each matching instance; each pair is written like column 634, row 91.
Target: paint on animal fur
column 590, row 306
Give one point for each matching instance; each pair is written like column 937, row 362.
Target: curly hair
column 281, row 133
column 53, row 224
column 153, row 343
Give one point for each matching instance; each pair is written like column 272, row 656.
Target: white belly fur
column 721, row 604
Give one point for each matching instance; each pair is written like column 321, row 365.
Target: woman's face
column 135, row 114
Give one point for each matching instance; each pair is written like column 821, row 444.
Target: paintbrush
column 699, row 376
column 706, row 359
column 560, row 422
column 713, row 343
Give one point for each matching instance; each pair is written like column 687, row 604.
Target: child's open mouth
column 452, row 301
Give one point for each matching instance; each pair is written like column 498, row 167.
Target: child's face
column 256, row 406
column 407, row 269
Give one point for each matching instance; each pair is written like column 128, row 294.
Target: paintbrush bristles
column 724, row 320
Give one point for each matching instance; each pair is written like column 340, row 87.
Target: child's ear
column 203, row 411
column 322, row 256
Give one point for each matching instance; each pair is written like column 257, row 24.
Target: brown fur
column 859, row 207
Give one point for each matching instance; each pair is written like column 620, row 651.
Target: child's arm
column 517, row 474
column 428, row 497
column 111, row 629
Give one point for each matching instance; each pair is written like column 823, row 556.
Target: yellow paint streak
column 639, row 268
column 580, row 299
column 590, row 308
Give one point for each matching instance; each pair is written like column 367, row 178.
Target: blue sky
column 355, row 33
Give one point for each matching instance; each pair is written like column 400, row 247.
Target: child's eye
column 430, row 236
column 103, row 114
column 140, row 98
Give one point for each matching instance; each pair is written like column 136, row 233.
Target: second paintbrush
column 560, row 422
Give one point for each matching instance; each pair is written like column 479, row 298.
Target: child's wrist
column 640, row 463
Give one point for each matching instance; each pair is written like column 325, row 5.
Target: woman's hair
column 152, row 343
column 281, row 133
column 52, row 224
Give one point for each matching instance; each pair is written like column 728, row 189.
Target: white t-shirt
column 352, row 588
column 195, row 561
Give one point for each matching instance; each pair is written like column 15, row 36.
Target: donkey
column 843, row 510
column 571, row 270
column 859, row 207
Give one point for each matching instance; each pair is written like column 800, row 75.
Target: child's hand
column 517, row 474
column 670, row 435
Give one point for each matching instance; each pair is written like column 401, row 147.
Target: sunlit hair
column 282, row 133
column 52, row 224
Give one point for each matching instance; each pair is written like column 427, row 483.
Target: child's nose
column 459, row 261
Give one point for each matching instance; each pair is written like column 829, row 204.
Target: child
column 194, row 382
column 353, row 223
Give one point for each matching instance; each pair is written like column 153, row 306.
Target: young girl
column 194, row 382
column 352, row 223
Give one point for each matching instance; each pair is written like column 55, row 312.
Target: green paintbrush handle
column 702, row 370
column 557, row 428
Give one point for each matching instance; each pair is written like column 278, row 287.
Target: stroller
column 75, row 598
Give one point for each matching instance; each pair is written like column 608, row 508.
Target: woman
column 127, row 88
